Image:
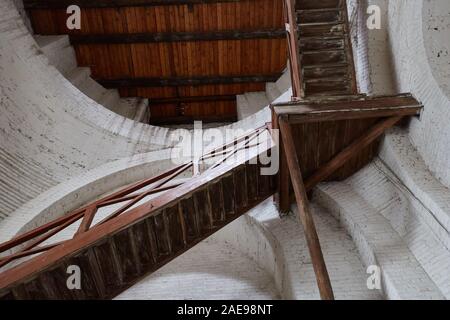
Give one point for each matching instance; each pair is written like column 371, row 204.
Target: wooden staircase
column 320, row 32
column 328, row 131
column 134, row 241
column 326, row 51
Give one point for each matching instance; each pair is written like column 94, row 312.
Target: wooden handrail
column 293, row 47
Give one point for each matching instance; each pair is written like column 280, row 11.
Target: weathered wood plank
column 182, row 81
column 240, row 187
column 109, row 266
column 203, row 208
column 175, row 228
column 62, row 4
column 192, row 99
column 339, row 160
column 191, row 219
column 217, row 201
column 191, row 119
column 229, row 198
column 146, row 252
column 176, row 36
column 346, row 109
column 126, row 253
column 161, row 235
column 252, row 182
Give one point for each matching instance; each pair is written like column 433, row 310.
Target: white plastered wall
column 417, row 32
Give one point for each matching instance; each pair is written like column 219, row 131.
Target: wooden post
column 281, row 197
column 320, row 269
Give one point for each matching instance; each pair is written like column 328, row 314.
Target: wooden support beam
column 320, row 269
column 353, row 149
column 347, row 109
column 179, row 81
column 191, row 119
column 175, row 36
column 192, row 99
column 62, row 4
column 282, row 196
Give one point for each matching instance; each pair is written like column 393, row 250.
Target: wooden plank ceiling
column 189, row 57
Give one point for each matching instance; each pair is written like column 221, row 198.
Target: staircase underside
column 132, row 241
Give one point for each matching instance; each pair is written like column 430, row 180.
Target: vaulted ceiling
column 189, row 57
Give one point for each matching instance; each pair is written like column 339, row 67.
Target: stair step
column 322, row 30
column 58, row 51
column 340, row 85
column 318, row 44
column 92, row 89
column 312, row 58
column 322, row 93
column 333, row 98
column 330, row 80
column 314, row 4
column 79, row 75
column 250, row 103
column 142, row 113
column 109, row 99
column 325, row 71
column 330, row 16
column 284, row 82
column 329, row 24
column 323, row 10
column 272, row 91
column 52, row 42
column 403, row 278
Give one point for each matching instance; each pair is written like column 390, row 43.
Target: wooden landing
column 322, row 129
column 329, row 140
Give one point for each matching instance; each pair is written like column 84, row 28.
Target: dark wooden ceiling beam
column 180, row 81
column 176, row 36
column 59, row 4
column 182, row 119
column 192, row 99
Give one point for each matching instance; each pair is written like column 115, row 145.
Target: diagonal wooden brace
column 353, row 149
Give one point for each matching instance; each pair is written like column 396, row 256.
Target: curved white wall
column 436, row 30
column 411, row 42
column 410, row 53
